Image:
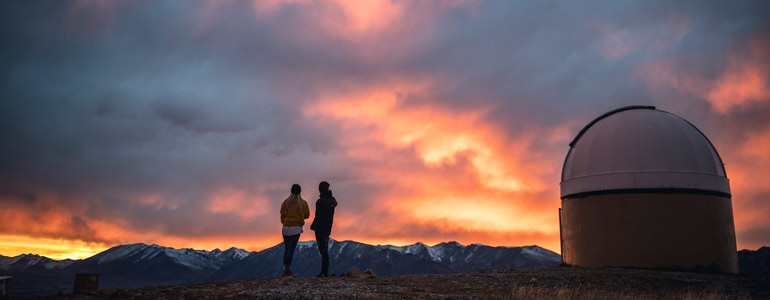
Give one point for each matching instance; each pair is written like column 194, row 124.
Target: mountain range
column 30, row 262
column 141, row 265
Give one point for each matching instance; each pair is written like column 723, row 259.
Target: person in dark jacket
column 322, row 224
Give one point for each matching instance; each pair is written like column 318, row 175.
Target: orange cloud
column 233, row 201
column 747, row 167
column 54, row 234
column 452, row 174
column 159, row 202
column 55, row 248
column 44, row 219
column 59, row 231
column 346, row 19
column 438, row 136
column 746, row 78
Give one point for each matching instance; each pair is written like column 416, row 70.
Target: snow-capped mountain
column 230, row 254
column 461, row 258
column 342, row 256
column 197, row 260
column 31, row 261
column 390, row 260
column 127, row 266
column 138, row 265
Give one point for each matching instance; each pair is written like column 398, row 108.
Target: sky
column 184, row 123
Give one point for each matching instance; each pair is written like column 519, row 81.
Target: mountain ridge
column 142, row 265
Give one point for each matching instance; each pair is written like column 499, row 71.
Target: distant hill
column 28, row 262
column 754, row 262
column 141, row 265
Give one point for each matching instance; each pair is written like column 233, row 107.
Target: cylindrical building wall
column 649, row 230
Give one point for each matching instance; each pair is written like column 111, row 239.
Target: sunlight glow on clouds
column 13, row 245
column 438, row 136
column 231, row 200
column 746, row 79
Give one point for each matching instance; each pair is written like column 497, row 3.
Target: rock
column 248, row 293
column 354, row 273
column 369, row 273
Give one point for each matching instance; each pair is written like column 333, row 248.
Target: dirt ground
column 546, row 283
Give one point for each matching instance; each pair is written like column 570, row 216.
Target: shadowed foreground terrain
column 547, row 283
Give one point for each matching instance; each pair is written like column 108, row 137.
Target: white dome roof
column 639, row 148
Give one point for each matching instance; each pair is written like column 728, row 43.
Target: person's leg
column 322, row 241
column 325, row 255
column 290, row 242
column 286, row 251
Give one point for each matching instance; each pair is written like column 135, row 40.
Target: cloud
column 617, row 43
column 185, row 124
column 743, row 81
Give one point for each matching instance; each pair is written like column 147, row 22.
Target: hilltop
column 540, row 283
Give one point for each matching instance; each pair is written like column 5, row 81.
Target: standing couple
column 294, row 211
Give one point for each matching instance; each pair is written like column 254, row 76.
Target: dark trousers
column 289, row 244
column 323, row 247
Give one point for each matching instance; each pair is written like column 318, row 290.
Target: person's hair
column 294, row 201
column 323, row 186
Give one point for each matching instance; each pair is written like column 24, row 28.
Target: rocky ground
column 548, row 283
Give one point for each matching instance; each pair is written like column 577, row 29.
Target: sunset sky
column 184, row 123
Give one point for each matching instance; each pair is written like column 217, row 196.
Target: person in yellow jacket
column 294, row 211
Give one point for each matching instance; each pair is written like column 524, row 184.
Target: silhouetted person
column 294, row 211
column 322, row 224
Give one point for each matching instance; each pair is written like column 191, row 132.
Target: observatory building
column 644, row 188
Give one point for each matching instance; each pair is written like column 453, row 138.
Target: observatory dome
column 638, row 148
